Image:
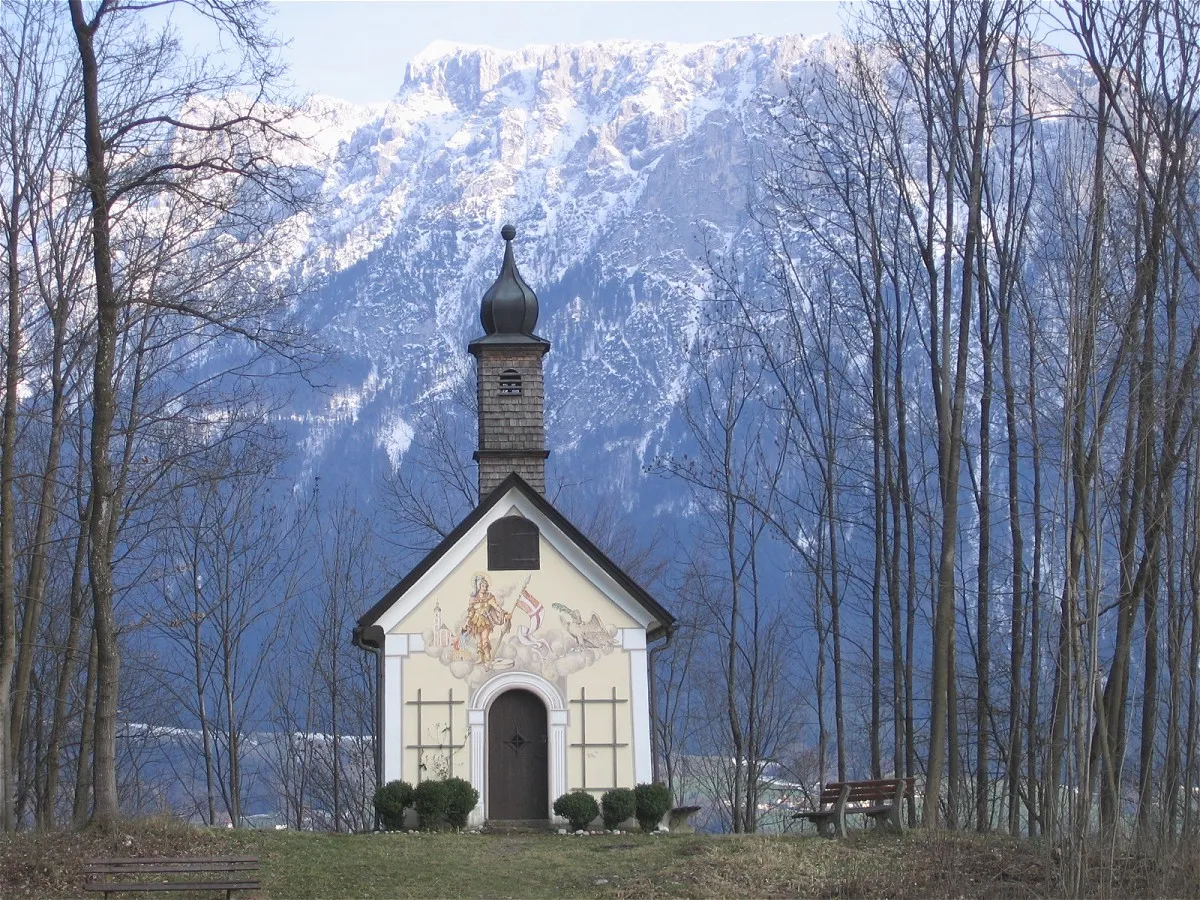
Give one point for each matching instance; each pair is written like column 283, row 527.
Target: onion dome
column 510, row 306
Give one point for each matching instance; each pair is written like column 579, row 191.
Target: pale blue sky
column 357, row 50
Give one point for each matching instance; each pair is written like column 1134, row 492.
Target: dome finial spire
column 510, row 306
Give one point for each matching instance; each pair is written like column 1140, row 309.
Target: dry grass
column 1116, row 866
column 865, row 865
column 868, row 864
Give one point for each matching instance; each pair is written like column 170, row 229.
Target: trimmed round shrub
column 461, row 798
column 653, row 801
column 578, row 808
column 390, row 802
column 616, row 806
column 429, row 800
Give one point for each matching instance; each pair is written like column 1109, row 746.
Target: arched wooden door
column 518, row 775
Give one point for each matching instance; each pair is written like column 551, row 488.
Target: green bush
column 578, row 808
column 617, row 805
column 460, row 800
column 430, row 800
column 653, row 801
column 390, row 802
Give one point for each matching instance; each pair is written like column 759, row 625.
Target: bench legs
column 895, row 817
column 839, row 811
column 832, row 821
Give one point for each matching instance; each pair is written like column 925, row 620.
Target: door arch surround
column 556, row 726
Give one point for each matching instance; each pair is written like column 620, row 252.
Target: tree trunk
column 82, row 806
column 66, row 674
column 983, row 573
column 949, row 399
column 879, row 490
column 47, row 513
column 106, row 804
column 9, row 739
column 1170, row 777
column 1016, row 652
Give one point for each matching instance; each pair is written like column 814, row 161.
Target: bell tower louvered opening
column 510, row 383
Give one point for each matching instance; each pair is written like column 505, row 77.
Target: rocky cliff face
column 619, row 162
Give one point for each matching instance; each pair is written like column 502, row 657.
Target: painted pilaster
column 395, row 648
column 558, row 754
column 633, row 641
column 477, row 723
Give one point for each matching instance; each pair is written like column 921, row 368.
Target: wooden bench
column 115, row 875
column 881, row 800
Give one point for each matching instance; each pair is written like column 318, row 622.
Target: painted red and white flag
column 529, row 605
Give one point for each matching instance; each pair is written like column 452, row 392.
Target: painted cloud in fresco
column 501, row 628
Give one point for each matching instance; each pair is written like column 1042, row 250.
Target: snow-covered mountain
column 619, row 162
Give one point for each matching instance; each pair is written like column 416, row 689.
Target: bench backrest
column 170, row 865
column 866, row 791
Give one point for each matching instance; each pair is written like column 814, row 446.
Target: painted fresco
column 503, row 626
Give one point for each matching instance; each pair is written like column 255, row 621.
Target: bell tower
column 508, row 375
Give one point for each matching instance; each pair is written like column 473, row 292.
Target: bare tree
column 1145, row 61
column 37, row 108
column 734, row 476
column 152, row 129
column 433, row 486
column 232, row 570
column 343, row 680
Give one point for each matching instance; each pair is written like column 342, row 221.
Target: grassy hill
column 296, row 865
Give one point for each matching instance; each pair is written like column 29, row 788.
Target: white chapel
column 515, row 654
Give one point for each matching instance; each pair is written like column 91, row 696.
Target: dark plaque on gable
column 512, row 543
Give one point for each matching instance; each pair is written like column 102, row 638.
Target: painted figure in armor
column 484, row 613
